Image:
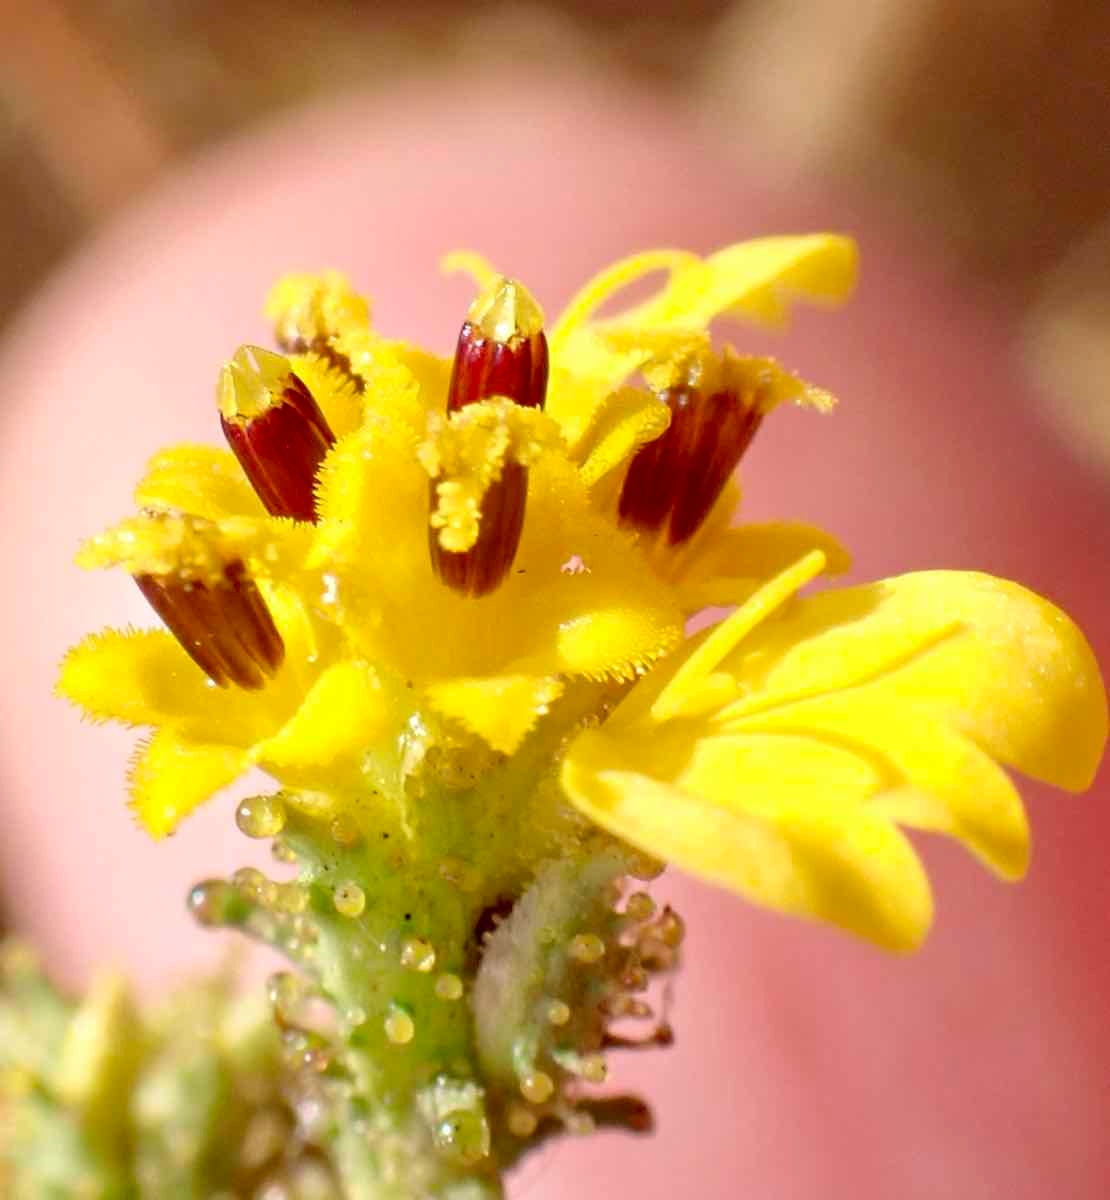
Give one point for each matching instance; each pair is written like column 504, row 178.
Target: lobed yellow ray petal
column 500, row 709
column 992, row 659
column 202, row 480
column 172, row 774
column 809, row 856
column 728, row 565
column 754, row 281
column 342, row 716
column 614, row 279
column 685, row 683
column 932, row 776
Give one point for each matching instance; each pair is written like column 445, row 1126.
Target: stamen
column 201, row 590
column 276, row 430
column 674, row 481
column 502, row 351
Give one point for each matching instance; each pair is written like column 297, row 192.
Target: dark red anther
column 276, row 430
column 502, row 351
column 674, row 481
column 223, row 624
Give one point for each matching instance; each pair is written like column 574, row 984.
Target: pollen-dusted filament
column 502, row 351
column 201, row 590
column 275, row 429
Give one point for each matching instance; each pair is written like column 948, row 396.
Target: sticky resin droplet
column 672, row 929
column 464, row 1135
column 449, row 987
column 418, row 954
column 579, row 1124
column 253, row 885
column 558, row 1012
column 587, row 948
column 399, row 1026
column 260, row 816
column 639, row 907
column 537, row 1087
column 522, row 1121
column 283, row 853
column 215, row 902
column 288, row 995
column 291, row 898
column 593, row 1068
column 344, row 830
column 349, row 899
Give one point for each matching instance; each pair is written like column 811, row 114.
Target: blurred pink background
column 806, row 1066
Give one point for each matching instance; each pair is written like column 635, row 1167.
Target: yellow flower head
column 406, row 561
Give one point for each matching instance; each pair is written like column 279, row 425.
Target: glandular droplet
column 418, row 954
column 399, row 1026
column 349, row 899
column 260, row 816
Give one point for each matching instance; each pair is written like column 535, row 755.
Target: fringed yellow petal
column 623, row 422
column 343, row 715
column 333, row 390
column 143, row 677
column 202, row 480
column 470, row 263
column 501, row 710
column 808, row 855
column 171, row 775
column 730, row 565
column 988, row 657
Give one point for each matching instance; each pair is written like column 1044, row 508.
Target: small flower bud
column 275, row 429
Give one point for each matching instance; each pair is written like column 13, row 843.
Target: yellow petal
column 202, row 480
column 681, row 694
column 995, row 661
column 343, row 716
column 810, row 855
column 932, row 777
column 170, row 775
column 751, row 280
column 728, row 565
column 501, row 710
column 143, row 677
column 754, row 281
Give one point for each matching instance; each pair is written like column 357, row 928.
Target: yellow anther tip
column 506, row 309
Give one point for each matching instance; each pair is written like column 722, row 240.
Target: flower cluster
column 444, row 603
column 407, row 565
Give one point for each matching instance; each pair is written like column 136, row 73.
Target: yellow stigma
column 506, row 309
